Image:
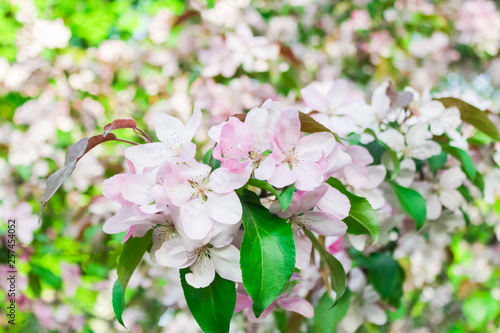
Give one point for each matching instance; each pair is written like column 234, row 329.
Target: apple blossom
column 297, row 158
column 175, row 141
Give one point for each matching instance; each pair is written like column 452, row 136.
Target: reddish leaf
column 119, row 123
column 309, row 125
column 240, row 116
column 398, row 99
column 97, row 140
column 73, row 155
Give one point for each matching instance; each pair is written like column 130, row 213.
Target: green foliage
column 212, row 306
column 467, row 163
column 412, row 202
column 267, row 253
column 211, row 161
column 385, row 274
column 284, row 196
column 362, row 218
column 436, row 162
column 327, row 316
column 337, row 273
column 132, row 253
column 9, row 27
column 472, row 115
column 480, row 308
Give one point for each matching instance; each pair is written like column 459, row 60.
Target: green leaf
column 132, row 253
column 436, row 162
column 362, row 218
column 46, row 276
column 385, row 274
column 195, row 73
column 472, row 115
column 467, row 161
column 34, row 283
column 479, row 309
column 211, row 161
column 327, row 318
column 262, row 184
column 479, row 182
column 412, row 202
column 212, row 306
column 464, row 191
column 286, row 196
column 395, row 161
column 267, row 253
column 118, row 301
column 310, row 125
column 210, row 3
column 337, row 273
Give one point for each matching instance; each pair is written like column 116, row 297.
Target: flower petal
column 288, row 130
column 357, row 280
column 303, row 248
column 433, row 207
column 148, row 155
column 242, row 302
column 168, row 129
column 195, row 220
column 335, row 203
column 323, row 223
column 172, row 253
column 451, row 179
column 451, row 199
column 314, row 98
column 137, row 189
column 111, row 189
column 425, row 150
column 313, row 147
column 224, row 208
column 393, row 139
column 226, row 261
column 376, row 175
column 282, row 176
column 202, row 273
column 374, row 314
column 298, row 305
column 309, row 175
column 192, row 125
column 223, row 180
column 236, row 138
column 265, row 169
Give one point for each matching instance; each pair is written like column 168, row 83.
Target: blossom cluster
column 195, row 211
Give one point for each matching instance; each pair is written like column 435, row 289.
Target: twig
column 126, row 141
column 144, row 135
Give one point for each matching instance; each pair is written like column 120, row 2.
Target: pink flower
column 297, row 158
column 242, row 145
column 236, row 141
column 339, row 109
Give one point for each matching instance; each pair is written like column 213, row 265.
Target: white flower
column 363, row 305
